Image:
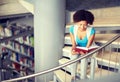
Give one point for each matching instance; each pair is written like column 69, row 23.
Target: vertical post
column 0, row 70
column 92, row 71
column 49, row 35
column 84, row 64
column 119, row 67
column 54, row 78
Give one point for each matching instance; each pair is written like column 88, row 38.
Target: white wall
column 109, row 16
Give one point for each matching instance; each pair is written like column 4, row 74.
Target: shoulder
column 71, row 29
column 90, row 29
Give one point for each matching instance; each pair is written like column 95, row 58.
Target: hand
column 82, row 53
column 74, row 52
column 73, row 47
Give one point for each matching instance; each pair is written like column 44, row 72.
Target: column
column 49, row 27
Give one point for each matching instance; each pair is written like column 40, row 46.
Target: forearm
column 73, row 41
column 90, row 40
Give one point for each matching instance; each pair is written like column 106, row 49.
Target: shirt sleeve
column 71, row 30
column 92, row 31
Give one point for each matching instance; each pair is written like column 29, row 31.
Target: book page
column 93, row 46
column 85, row 48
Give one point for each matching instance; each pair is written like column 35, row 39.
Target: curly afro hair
column 81, row 15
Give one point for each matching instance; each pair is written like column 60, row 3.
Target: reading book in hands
column 84, row 49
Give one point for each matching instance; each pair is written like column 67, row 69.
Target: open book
column 84, row 49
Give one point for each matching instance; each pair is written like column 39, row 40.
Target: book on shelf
column 85, row 49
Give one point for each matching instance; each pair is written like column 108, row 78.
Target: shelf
column 24, row 44
column 22, row 54
column 25, row 65
column 6, row 39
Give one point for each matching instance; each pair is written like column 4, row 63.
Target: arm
column 90, row 40
column 73, row 41
column 71, row 30
column 73, row 51
column 91, row 37
column 73, row 45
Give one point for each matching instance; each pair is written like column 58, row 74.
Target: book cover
column 84, row 49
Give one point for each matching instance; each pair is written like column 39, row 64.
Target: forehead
column 82, row 22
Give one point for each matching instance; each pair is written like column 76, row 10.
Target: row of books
column 19, row 48
column 13, row 29
column 18, row 61
column 26, row 40
column 8, row 31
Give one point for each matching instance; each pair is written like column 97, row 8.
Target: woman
column 82, row 35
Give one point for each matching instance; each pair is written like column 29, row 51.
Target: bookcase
column 17, row 54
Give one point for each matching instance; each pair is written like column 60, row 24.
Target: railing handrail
column 66, row 64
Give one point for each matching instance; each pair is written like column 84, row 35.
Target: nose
column 82, row 26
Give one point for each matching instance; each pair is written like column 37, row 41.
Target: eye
column 80, row 24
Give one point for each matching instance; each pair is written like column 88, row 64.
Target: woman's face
column 82, row 25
